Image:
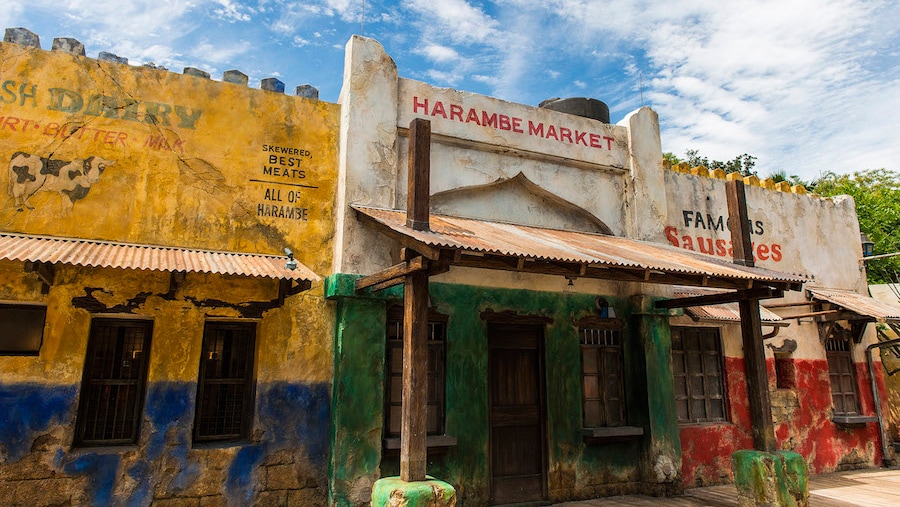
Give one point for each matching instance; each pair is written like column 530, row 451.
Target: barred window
column 393, row 382
column 602, row 373
column 699, row 381
column 842, row 375
column 114, row 382
column 225, row 385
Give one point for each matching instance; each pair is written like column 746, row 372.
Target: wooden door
column 517, row 415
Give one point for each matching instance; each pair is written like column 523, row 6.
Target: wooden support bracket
column 176, row 280
column 287, row 288
column 44, row 271
column 725, row 297
column 393, row 275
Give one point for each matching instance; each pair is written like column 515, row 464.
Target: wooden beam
column 831, row 316
column 619, row 274
column 413, row 420
column 418, row 186
column 725, row 297
column 397, row 272
column 176, row 279
column 762, row 427
column 413, row 413
column 788, row 305
column 44, row 271
column 434, row 268
column 288, row 287
column 738, row 220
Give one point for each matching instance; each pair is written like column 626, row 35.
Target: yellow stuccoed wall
column 194, row 182
column 197, row 182
column 192, row 163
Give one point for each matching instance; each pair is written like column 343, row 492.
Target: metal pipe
column 881, row 256
column 877, row 398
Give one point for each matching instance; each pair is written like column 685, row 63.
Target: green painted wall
column 575, row 469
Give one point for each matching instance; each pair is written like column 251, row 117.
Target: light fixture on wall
column 868, row 247
column 570, row 287
column 291, row 263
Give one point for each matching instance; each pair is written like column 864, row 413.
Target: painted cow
column 30, row 174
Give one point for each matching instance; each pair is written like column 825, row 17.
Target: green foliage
column 877, row 196
column 743, row 163
column 793, row 179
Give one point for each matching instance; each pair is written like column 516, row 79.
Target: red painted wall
column 808, row 430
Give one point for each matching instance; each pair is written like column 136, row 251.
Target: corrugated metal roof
column 103, row 254
column 523, row 241
column 727, row 312
column 857, row 303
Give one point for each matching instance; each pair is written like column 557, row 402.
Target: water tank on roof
column 579, row 106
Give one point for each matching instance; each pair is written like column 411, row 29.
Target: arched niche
column 517, row 200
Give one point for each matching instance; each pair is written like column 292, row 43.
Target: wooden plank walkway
column 858, row 488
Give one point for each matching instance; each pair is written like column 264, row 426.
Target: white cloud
column 803, row 85
column 347, row 10
column 455, row 20
column 438, row 53
column 444, row 78
column 232, row 11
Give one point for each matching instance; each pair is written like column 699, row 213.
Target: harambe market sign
column 507, row 126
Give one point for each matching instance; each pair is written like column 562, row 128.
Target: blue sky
column 804, row 85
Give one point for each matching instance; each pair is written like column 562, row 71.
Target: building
column 552, row 373
column 157, row 343
column 143, row 252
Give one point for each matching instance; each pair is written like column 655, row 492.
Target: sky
column 806, row 86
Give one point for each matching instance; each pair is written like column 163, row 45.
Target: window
column 225, row 384
column 841, row 372
column 785, row 373
column 393, row 382
column 114, row 381
column 22, row 330
column 602, row 373
column 699, row 383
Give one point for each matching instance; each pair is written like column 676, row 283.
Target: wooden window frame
column 711, row 376
column 22, row 319
column 209, row 425
column 437, row 357
column 600, row 338
column 841, row 374
column 111, row 354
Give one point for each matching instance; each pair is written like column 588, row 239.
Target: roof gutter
column 878, row 414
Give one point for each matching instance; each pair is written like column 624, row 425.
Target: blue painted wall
column 289, row 417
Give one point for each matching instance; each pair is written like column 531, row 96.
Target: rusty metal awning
column 724, row 312
column 864, row 306
column 495, row 245
column 103, row 254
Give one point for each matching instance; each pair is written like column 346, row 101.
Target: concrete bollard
column 110, row 57
column 22, row 36
column 193, row 71
column 307, row 91
column 391, row 492
column 271, row 84
column 68, row 45
column 235, row 76
column 768, row 479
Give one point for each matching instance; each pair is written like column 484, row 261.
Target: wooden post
column 418, row 180
column 413, row 420
column 751, row 325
